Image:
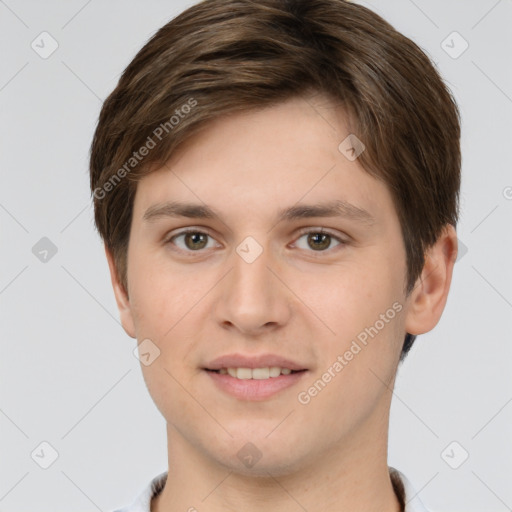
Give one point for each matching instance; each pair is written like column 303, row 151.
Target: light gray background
column 68, row 374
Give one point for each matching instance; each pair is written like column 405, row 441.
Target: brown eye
column 195, row 240
column 191, row 240
column 319, row 241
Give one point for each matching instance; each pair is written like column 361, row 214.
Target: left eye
column 319, row 240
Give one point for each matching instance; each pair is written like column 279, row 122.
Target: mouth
column 254, row 384
column 254, row 377
column 264, row 373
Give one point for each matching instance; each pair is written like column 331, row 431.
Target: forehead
column 266, row 158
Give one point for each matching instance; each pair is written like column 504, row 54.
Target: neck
column 354, row 479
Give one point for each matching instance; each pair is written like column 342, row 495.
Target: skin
column 295, row 300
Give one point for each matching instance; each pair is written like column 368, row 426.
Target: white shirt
column 412, row 503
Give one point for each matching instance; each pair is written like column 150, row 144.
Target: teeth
column 274, row 371
column 243, row 373
column 255, row 373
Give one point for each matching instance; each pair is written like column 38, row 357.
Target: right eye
column 193, row 240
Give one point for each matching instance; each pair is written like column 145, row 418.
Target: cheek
column 163, row 311
column 159, row 296
column 358, row 368
column 351, row 298
column 168, row 387
column 365, row 308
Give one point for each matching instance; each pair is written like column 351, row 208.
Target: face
column 266, row 280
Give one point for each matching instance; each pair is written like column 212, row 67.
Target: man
column 276, row 183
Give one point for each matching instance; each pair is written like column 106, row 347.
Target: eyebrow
column 337, row 208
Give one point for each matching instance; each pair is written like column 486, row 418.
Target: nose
column 252, row 297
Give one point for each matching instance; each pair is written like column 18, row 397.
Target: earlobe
column 428, row 298
column 121, row 296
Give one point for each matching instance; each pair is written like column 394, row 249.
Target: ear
column 428, row 298
column 123, row 302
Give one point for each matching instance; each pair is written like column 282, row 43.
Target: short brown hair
column 224, row 56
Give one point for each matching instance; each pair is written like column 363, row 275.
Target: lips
column 253, row 377
column 253, row 361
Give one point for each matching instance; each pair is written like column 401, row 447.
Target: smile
column 255, row 373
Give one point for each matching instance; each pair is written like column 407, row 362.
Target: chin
column 269, row 465
column 258, row 455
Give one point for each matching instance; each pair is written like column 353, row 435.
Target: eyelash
column 303, row 232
